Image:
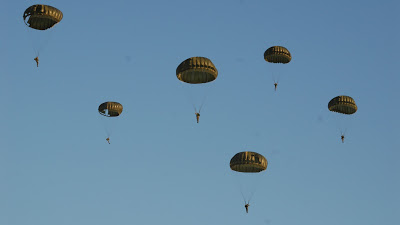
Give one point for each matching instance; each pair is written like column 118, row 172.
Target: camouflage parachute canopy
column 342, row 104
column 110, row 109
column 248, row 162
column 196, row 70
column 42, row 17
column 277, row 54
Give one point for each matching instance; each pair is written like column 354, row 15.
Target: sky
column 161, row 166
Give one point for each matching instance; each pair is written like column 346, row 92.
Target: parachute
column 277, row 54
column 247, row 167
column 110, row 109
column 196, row 70
column 343, row 104
column 248, row 162
column 42, row 17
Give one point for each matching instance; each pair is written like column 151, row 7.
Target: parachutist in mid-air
column 197, row 70
column 344, row 105
column 247, row 207
column 41, row 17
column 276, row 85
column 37, row 61
column 248, row 162
column 110, row 110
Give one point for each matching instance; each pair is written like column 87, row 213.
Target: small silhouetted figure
column 197, row 116
column 108, row 140
column 37, row 61
column 342, row 137
column 247, row 207
column 276, row 85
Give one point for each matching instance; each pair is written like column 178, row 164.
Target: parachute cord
column 30, row 33
column 273, row 77
column 343, row 131
column 241, row 192
column 202, row 103
column 45, row 40
column 194, row 107
column 257, row 184
column 201, row 106
column 251, row 195
column 39, row 41
column 276, row 77
column 241, row 189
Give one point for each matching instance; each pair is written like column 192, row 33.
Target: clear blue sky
column 163, row 168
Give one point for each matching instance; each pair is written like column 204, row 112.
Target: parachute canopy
column 110, row 109
column 277, row 54
column 196, row 70
column 42, row 17
column 248, row 162
column 342, row 104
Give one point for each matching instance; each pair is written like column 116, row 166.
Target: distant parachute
column 247, row 167
column 110, row 109
column 42, row 17
column 277, row 54
column 342, row 104
column 248, row 162
column 196, row 70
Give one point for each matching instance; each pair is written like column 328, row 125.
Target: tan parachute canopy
column 42, row 17
column 196, row 70
column 342, row 104
column 110, row 109
column 248, row 162
column 277, row 54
